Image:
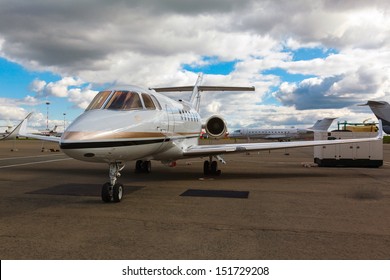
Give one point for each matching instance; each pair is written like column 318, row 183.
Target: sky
column 308, row 59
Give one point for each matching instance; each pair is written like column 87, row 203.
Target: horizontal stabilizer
column 203, row 88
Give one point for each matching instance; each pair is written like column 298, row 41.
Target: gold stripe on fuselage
column 105, row 135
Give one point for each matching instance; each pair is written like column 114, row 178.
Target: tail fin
column 197, row 89
column 322, row 125
column 381, row 110
column 195, row 96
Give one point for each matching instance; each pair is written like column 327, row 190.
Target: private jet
column 281, row 134
column 131, row 123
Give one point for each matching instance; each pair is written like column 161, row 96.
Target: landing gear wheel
column 147, row 166
column 138, row 166
column 117, row 192
column 211, row 168
column 143, row 166
column 206, row 167
column 214, row 167
column 106, row 192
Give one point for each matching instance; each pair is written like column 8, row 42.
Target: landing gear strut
column 113, row 190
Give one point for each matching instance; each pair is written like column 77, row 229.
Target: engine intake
column 215, row 127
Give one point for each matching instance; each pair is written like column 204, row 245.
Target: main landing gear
column 210, row 168
column 113, row 190
column 142, row 166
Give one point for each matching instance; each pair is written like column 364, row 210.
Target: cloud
column 147, row 42
column 73, row 89
column 367, row 82
column 37, row 85
column 11, row 109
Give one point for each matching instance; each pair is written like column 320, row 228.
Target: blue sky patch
column 15, row 80
column 286, row 76
column 312, row 53
column 212, row 66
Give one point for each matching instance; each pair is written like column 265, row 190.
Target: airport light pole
column 64, row 121
column 47, row 114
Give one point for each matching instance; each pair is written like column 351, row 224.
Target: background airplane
column 381, row 110
column 49, row 132
column 281, row 134
column 130, row 123
column 6, row 131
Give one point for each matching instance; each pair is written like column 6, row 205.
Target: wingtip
column 20, row 129
column 380, row 129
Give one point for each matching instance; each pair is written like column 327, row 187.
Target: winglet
column 19, row 130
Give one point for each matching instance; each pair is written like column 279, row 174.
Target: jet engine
column 215, row 127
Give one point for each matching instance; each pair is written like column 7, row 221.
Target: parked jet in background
column 49, row 132
column 137, row 124
column 281, row 134
column 381, row 110
column 6, row 132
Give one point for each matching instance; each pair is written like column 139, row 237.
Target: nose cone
column 98, row 125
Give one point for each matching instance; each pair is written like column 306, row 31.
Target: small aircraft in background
column 280, row 133
column 7, row 131
column 381, row 110
column 49, row 132
column 131, row 123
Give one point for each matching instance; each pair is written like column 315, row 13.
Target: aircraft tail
column 195, row 96
column 322, row 125
column 381, row 110
column 197, row 89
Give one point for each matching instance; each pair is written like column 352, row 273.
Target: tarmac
column 265, row 205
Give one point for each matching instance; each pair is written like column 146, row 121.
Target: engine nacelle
column 215, row 127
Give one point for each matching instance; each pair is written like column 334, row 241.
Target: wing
column 209, row 150
column 20, row 131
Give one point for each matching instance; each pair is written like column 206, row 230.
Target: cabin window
column 148, row 102
column 124, row 100
column 98, row 100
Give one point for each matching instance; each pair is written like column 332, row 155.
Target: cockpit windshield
column 123, row 100
column 99, row 100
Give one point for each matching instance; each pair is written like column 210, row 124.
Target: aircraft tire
column 138, row 166
column 206, row 167
column 117, row 192
column 106, row 197
column 214, row 167
column 147, row 166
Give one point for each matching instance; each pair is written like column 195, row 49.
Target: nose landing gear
column 113, row 190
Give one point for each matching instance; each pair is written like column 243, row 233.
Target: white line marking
column 30, row 163
column 30, row 157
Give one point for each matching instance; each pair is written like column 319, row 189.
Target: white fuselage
column 253, row 133
column 111, row 135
